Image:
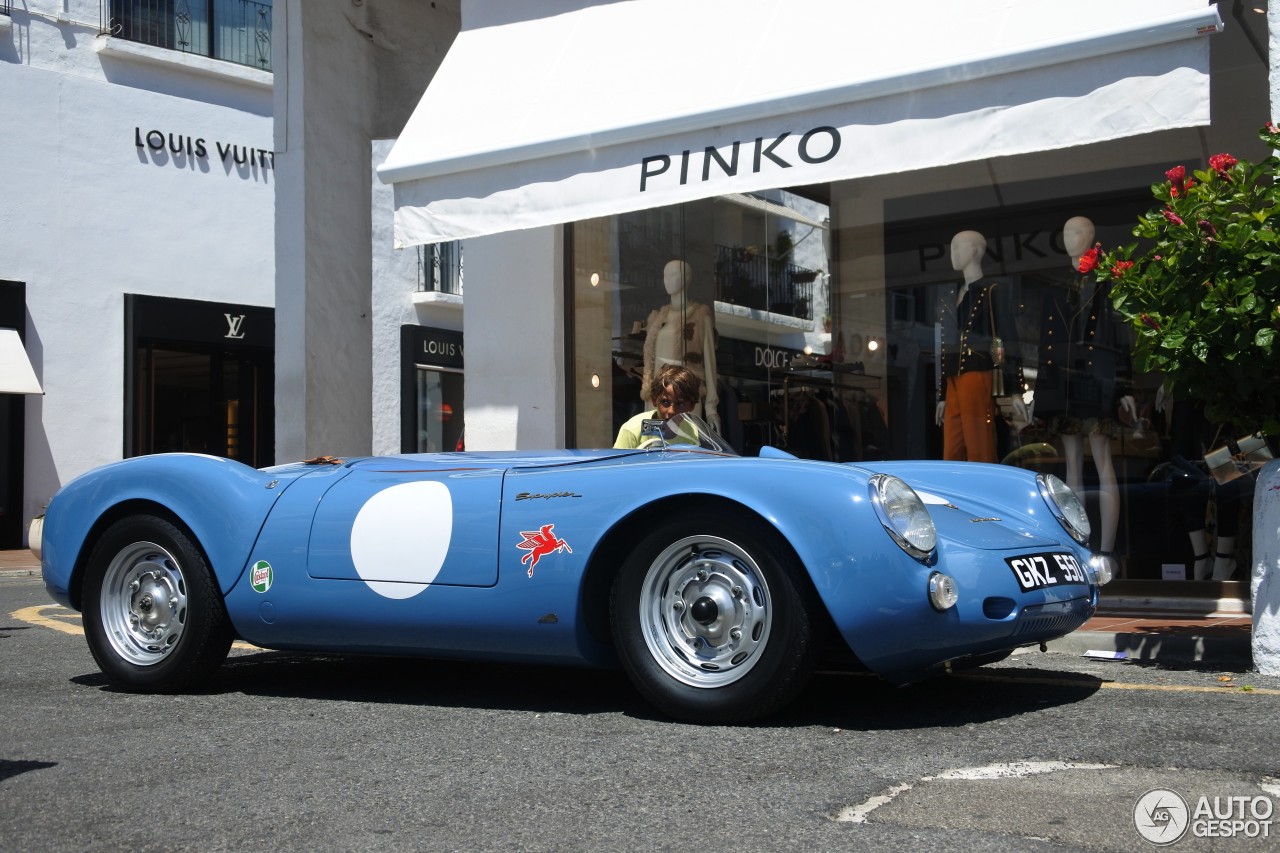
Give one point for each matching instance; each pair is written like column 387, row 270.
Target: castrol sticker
column 260, row 576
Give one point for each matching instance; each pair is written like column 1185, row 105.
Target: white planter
column 35, row 535
column 1265, row 578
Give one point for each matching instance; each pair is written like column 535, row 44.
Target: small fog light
column 1102, row 569
column 942, row 591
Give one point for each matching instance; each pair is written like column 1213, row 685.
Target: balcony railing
column 753, row 280
column 440, row 268
column 232, row 30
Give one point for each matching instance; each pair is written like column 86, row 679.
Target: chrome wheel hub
column 144, row 603
column 705, row 611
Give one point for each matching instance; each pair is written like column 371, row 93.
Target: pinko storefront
column 866, row 252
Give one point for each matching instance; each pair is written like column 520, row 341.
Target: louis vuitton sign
column 184, row 146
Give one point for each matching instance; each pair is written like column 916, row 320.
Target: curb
column 1230, row 652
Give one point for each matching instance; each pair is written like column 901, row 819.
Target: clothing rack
column 843, row 396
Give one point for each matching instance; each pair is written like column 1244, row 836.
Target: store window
column 233, row 30
column 200, row 379
column 440, row 268
column 13, row 311
column 928, row 315
column 735, row 288
column 432, row 413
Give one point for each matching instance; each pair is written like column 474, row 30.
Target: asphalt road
column 298, row 752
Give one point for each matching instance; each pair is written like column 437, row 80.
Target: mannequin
column 683, row 332
column 966, row 411
column 1076, row 386
column 1191, row 489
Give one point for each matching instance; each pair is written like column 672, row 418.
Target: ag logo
column 1161, row 816
column 260, row 576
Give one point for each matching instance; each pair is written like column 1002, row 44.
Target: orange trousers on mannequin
column 968, row 421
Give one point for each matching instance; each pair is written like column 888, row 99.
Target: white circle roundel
column 401, row 536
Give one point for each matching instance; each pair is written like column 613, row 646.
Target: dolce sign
column 182, row 145
column 774, row 359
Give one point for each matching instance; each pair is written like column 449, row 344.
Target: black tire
column 153, row 614
column 712, row 620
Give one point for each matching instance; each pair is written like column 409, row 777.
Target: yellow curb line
column 34, row 616
column 1120, row 685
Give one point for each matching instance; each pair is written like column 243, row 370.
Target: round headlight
column 903, row 515
column 1066, row 507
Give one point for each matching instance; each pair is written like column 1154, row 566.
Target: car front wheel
column 712, row 621
column 153, row 614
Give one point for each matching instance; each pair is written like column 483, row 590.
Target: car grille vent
column 1056, row 623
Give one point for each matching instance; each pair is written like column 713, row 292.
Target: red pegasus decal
column 540, row 543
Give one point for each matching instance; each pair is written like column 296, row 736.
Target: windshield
column 681, row 431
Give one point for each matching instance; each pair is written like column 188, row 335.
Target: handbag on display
column 997, row 348
column 1238, row 458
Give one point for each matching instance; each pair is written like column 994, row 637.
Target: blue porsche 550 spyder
column 717, row 581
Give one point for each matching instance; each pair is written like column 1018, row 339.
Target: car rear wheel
column 712, row 621
column 153, row 615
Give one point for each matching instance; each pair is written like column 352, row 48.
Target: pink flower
column 1089, row 260
column 1171, row 216
column 1208, row 228
column 1149, row 321
column 1177, row 177
column 1119, row 267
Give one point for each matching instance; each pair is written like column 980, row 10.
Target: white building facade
column 137, row 249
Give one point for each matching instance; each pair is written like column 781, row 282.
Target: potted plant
column 1204, row 301
column 1204, row 297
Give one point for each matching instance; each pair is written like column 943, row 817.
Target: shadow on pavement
column 845, row 700
column 10, row 768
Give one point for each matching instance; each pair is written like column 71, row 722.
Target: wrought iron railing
column 232, row 30
column 440, row 268
column 754, row 280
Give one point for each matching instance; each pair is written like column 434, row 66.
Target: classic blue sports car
column 717, row 581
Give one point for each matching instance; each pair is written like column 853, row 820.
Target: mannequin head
column 967, row 249
column 1077, row 237
column 676, row 276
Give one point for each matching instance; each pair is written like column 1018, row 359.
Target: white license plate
column 1037, row 571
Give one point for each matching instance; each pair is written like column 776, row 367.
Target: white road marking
column 1010, row 770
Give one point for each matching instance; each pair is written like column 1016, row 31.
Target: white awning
column 16, row 375
column 620, row 106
